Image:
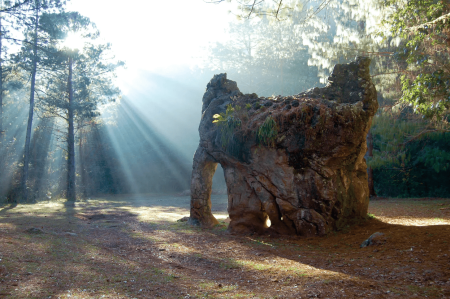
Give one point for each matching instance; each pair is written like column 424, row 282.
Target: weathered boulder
column 375, row 239
column 296, row 160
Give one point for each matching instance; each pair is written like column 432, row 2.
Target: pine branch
column 17, row 5
column 423, row 133
column 422, row 26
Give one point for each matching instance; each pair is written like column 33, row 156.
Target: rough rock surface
column 311, row 178
column 375, row 239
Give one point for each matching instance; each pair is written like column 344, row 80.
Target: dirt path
column 118, row 247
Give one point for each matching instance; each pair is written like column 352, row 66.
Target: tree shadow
column 64, row 256
column 8, row 207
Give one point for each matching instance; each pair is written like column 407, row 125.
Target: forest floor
column 123, row 247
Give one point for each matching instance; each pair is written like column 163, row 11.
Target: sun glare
column 73, row 41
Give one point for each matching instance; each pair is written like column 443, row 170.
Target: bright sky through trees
column 73, row 41
column 156, row 35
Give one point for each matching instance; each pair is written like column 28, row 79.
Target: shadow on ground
column 120, row 247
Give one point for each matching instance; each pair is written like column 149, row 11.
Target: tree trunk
column 2, row 133
column 71, row 194
column 1, row 88
column 370, row 170
column 82, row 169
column 26, row 152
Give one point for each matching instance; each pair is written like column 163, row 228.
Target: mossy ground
column 128, row 247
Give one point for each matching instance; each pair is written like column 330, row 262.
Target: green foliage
column 410, row 159
column 390, row 132
column 93, row 68
column 434, row 158
column 371, row 216
column 227, row 123
column 428, row 93
column 268, row 132
column 423, row 26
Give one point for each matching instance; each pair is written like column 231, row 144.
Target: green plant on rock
column 227, row 123
column 268, row 132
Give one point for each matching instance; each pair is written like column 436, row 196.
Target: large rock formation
column 296, row 160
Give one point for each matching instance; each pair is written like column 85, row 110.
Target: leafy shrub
column 227, row 123
column 268, row 132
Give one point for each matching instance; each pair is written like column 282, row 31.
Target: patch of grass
column 169, row 278
column 256, row 266
column 227, row 123
column 268, row 132
column 229, row 263
column 371, row 216
column 221, row 227
column 298, row 272
column 207, row 285
column 157, row 271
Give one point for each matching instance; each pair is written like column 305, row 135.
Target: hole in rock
column 219, row 196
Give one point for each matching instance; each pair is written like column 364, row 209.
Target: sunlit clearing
column 74, row 41
column 414, row 221
column 154, row 209
column 160, row 213
column 45, row 207
column 294, row 268
column 409, row 212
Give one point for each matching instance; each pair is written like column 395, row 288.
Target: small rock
column 184, row 219
column 375, row 239
column 69, row 234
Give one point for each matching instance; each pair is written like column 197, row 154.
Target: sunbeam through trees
column 224, row 149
